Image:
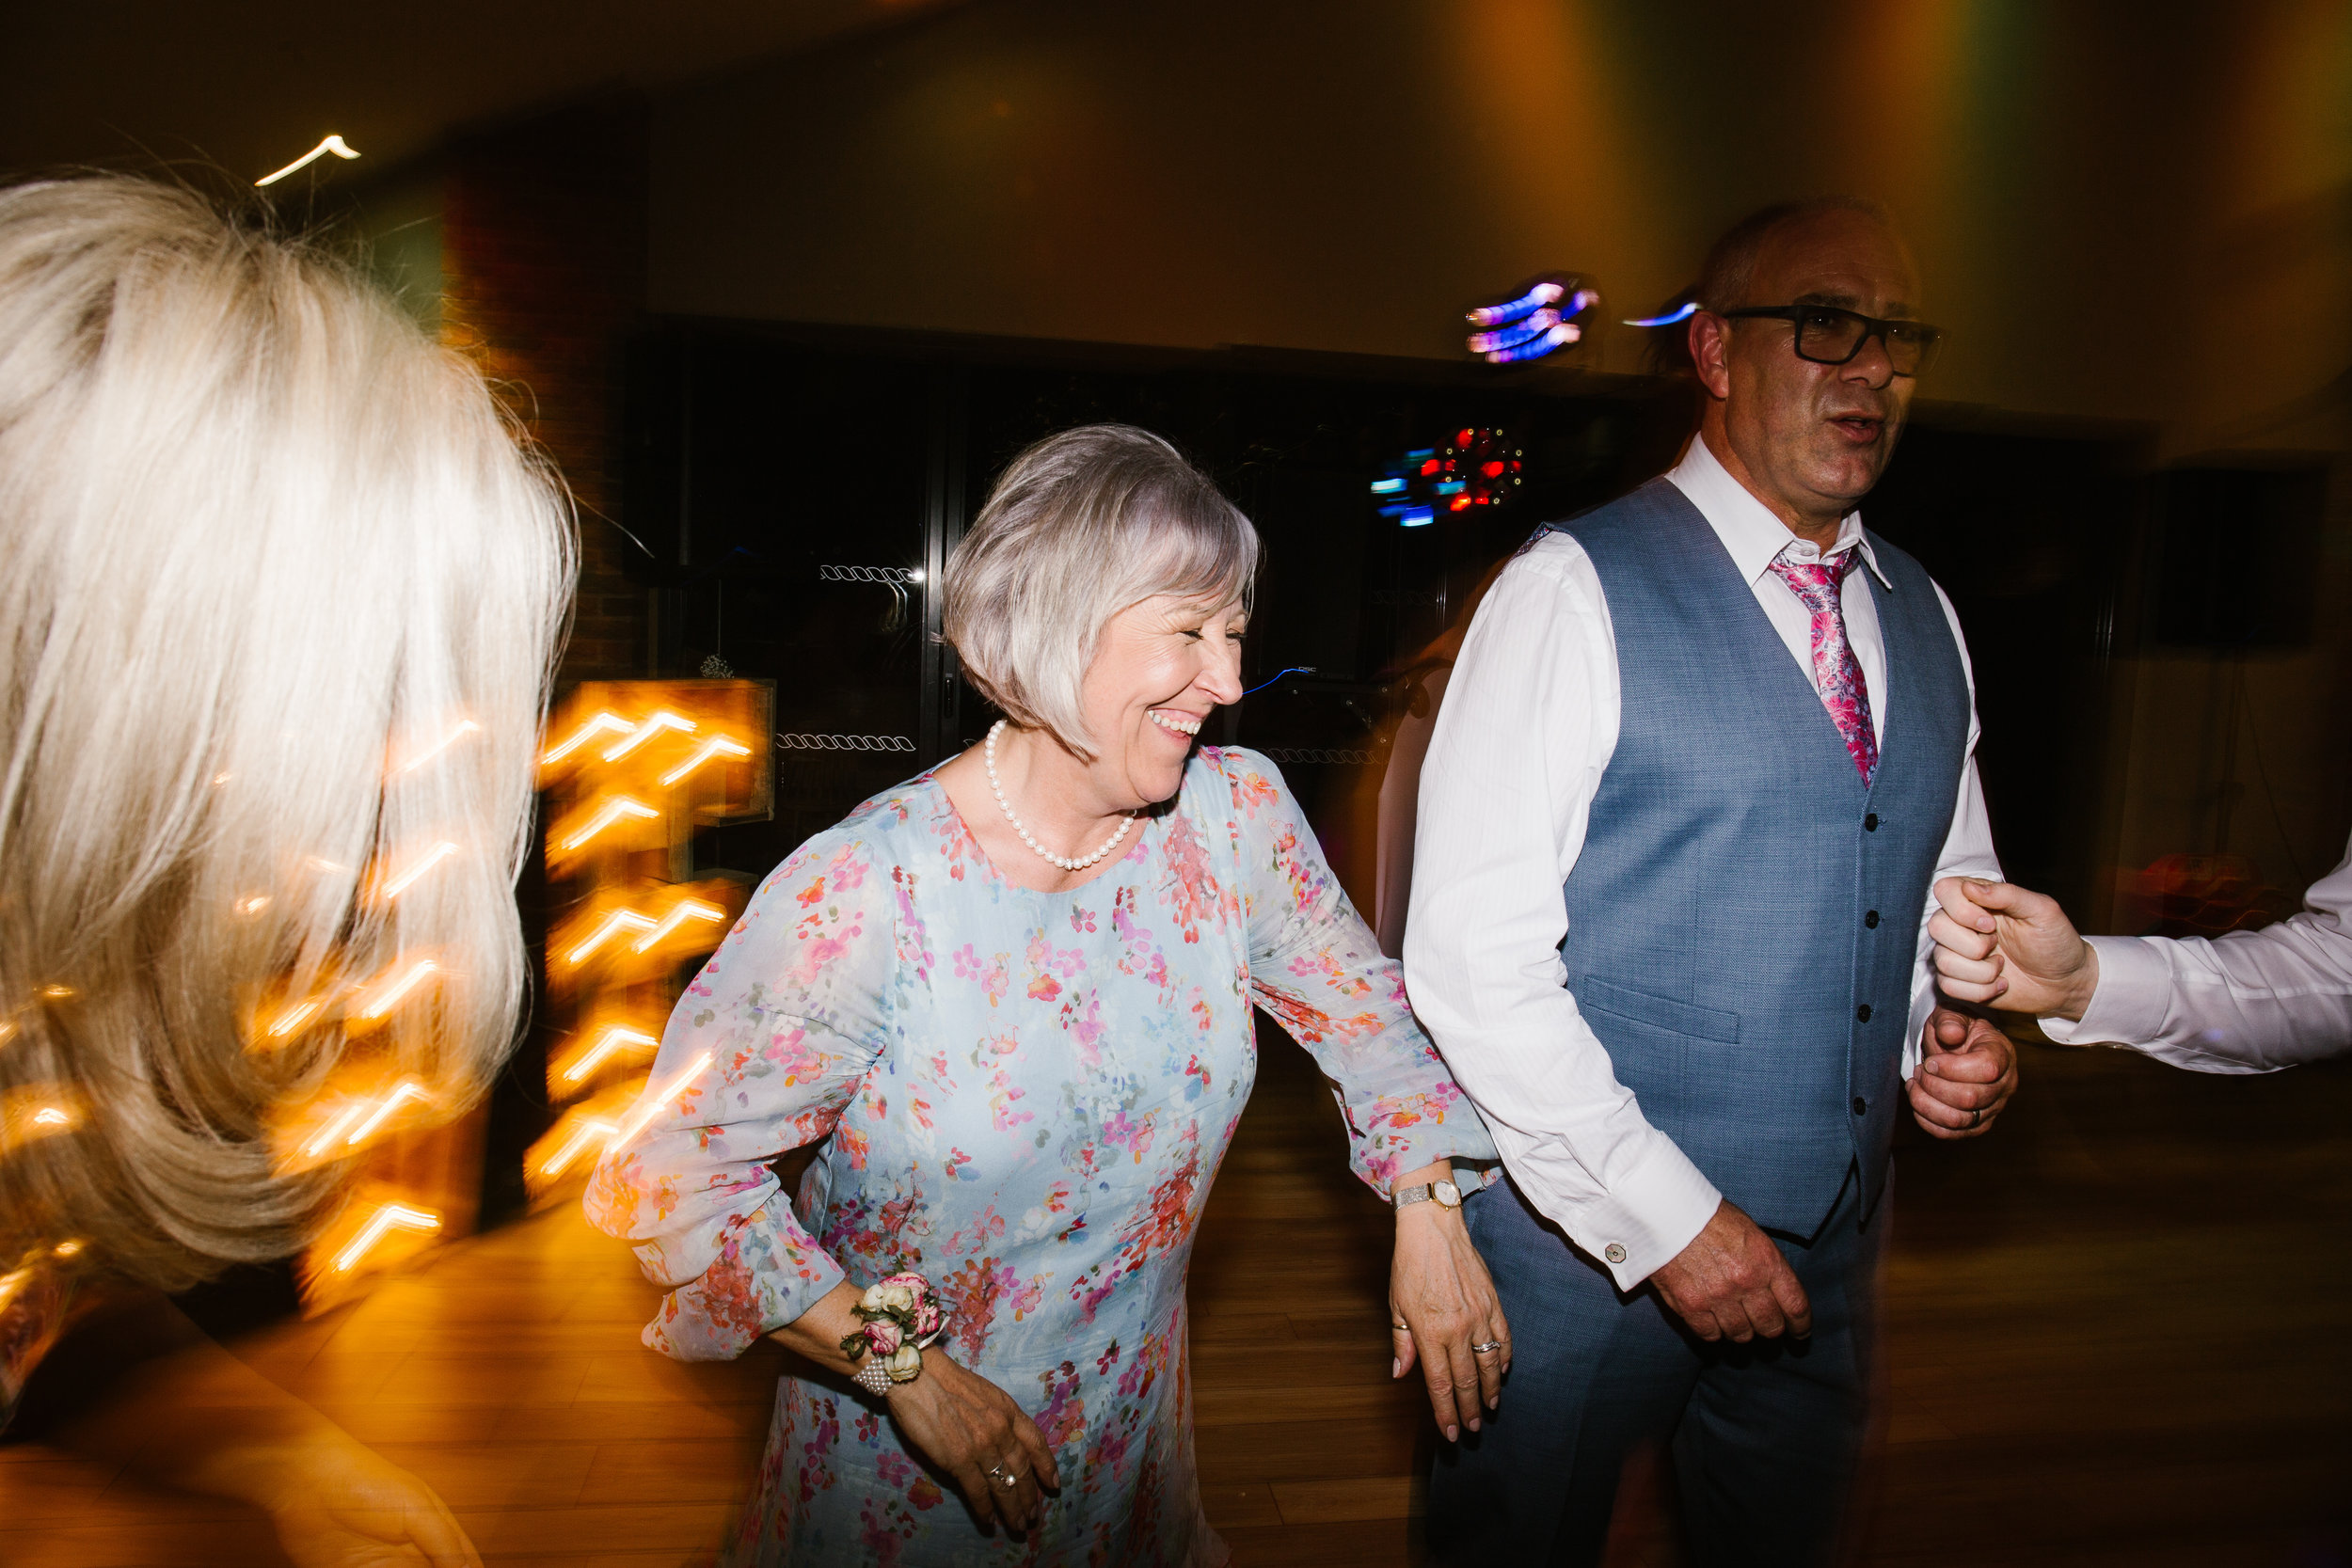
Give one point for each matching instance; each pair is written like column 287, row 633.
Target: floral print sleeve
column 1317, row 967
column 793, row 1010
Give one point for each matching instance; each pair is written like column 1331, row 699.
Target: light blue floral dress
column 1022, row 1096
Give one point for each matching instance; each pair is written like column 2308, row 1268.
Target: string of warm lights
column 613, row 925
column 619, row 809
column 598, row 725
column 418, row 867
column 358, row 1121
column 618, row 1040
column 383, row 1222
column 655, row 759
column 650, row 1105
column 662, row 723
column 334, row 144
column 464, row 727
column 619, row 922
column 369, row 1124
column 717, row 746
column 294, row 1018
column 371, row 1113
column 395, row 992
column 30, row 1115
column 680, row 912
column 637, row 766
column 579, row 1133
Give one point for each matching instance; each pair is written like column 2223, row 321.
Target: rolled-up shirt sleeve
column 786, row 1019
column 2249, row 1002
column 1529, row 722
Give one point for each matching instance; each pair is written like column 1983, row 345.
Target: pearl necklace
column 988, row 755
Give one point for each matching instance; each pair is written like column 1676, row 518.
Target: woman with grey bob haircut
column 1058, row 546
column 1011, row 1001
column 281, row 601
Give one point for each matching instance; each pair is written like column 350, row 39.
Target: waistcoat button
column 1862, row 1013
column 1861, row 1106
column 1872, row 919
column 1871, row 823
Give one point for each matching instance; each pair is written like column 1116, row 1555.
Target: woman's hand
column 956, row 1418
column 339, row 1505
column 1441, row 1303
column 969, row 1427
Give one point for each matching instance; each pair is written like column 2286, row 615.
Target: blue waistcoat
column 1743, row 919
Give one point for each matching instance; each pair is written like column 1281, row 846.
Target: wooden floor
column 2119, row 1333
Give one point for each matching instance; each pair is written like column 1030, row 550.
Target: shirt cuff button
column 1615, row 1252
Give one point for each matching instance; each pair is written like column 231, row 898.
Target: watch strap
column 1424, row 1192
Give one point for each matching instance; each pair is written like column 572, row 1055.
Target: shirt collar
column 1750, row 532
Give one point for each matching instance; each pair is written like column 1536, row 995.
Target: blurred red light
column 1430, row 467
column 1461, row 503
column 1463, row 439
column 1490, row 467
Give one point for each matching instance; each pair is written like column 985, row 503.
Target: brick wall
column 544, row 276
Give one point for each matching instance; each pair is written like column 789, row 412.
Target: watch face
column 1449, row 1195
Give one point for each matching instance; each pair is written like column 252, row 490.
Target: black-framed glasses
column 1829, row 336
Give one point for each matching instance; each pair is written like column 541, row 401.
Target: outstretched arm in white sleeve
column 2248, row 1001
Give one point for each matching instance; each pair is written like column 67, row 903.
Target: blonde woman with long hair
column 281, row 601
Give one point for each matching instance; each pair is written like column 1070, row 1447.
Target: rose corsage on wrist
column 901, row 1315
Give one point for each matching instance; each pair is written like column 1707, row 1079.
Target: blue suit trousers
column 1765, row 1438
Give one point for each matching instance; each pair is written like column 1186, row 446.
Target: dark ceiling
column 246, row 86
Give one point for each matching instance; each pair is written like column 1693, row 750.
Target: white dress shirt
column 1529, row 723
column 2249, row 1002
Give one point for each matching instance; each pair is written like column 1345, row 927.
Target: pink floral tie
column 1837, row 674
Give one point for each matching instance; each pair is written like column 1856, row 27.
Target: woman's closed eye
column 1196, row 634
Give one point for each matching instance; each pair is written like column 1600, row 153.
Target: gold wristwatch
column 1447, row 1194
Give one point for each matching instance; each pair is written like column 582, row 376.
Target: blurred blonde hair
column 267, row 545
column 1079, row 527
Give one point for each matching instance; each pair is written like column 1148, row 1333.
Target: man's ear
column 1710, row 342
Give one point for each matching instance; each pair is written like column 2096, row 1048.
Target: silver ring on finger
column 1489, row 1348
column 1001, row 1476
column 1974, row 1116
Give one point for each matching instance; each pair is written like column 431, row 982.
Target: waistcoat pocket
column 1682, row 1018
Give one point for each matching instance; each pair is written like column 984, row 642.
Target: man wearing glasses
column 1706, row 749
